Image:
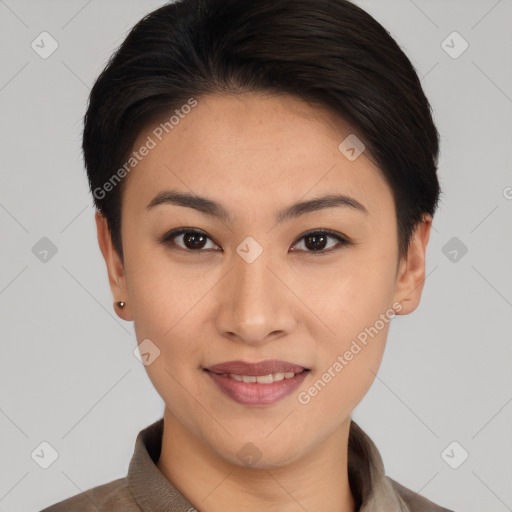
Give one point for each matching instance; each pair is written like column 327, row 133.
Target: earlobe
column 115, row 267
column 411, row 274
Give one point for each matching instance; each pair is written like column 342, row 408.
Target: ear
column 115, row 267
column 411, row 272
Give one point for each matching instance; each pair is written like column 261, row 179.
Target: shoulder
column 414, row 501
column 114, row 496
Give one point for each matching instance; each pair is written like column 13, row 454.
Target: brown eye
column 193, row 240
column 315, row 242
column 318, row 241
column 187, row 239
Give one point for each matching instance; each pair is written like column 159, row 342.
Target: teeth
column 263, row 379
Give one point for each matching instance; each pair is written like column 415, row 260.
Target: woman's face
column 253, row 288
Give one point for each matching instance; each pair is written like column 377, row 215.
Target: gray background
column 68, row 375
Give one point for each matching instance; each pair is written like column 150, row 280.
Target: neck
column 316, row 481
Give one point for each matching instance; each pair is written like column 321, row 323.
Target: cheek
column 169, row 308
column 351, row 294
column 353, row 302
column 345, row 373
column 168, row 312
column 162, row 293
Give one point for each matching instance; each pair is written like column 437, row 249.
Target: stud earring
column 120, row 304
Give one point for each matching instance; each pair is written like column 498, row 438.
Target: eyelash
column 167, row 240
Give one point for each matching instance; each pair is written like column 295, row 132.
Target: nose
column 255, row 305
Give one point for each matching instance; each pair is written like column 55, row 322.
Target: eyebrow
column 215, row 209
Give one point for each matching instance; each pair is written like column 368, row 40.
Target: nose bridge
column 254, row 303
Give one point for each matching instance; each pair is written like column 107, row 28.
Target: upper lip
column 256, row 369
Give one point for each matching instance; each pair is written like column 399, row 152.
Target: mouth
column 261, row 379
column 254, row 384
column 264, row 372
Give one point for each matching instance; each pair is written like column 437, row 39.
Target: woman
column 264, row 175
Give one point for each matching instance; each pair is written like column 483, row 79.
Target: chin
column 259, row 455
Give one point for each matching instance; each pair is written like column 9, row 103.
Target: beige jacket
column 146, row 489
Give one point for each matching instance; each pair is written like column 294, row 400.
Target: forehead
column 254, row 150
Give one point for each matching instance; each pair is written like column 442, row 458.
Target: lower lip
column 253, row 393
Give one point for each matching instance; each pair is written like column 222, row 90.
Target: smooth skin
column 257, row 154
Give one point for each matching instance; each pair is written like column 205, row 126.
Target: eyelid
column 343, row 241
column 166, row 239
column 328, row 232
